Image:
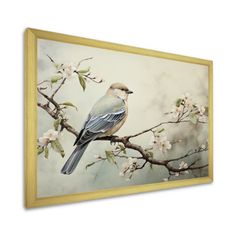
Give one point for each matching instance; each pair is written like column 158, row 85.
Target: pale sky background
column 156, row 83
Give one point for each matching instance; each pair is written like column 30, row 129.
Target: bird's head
column 119, row 90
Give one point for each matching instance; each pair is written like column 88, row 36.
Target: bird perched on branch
column 106, row 118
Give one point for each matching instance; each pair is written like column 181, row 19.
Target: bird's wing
column 98, row 125
column 100, row 122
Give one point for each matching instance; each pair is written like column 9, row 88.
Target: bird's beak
column 129, row 92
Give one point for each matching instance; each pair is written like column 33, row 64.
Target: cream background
column 156, row 83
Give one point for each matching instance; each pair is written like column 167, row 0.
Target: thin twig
column 44, row 81
column 142, row 166
column 189, row 153
column 93, row 79
column 50, row 59
column 89, row 58
column 156, row 126
column 56, row 90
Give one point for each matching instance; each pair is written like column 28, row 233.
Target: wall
column 203, row 29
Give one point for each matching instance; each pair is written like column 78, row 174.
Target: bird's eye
column 122, row 89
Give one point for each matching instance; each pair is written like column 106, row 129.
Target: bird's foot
column 113, row 139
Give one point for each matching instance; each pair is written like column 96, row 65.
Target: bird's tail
column 73, row 160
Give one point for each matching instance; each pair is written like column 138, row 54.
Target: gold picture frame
column 31, row 120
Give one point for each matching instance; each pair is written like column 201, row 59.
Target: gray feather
column 97, row 125
column 105, row 114
column 73, row 160
column 105, row 122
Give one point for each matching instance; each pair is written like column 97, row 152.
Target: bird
column 106, row 117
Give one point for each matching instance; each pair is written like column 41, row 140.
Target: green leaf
column 178, row 102
column 60, row 148
column 110, row 157
column 40, row 149
column 69, row 104
column 46, row 152
column 55, row 78
column 193, row 118
column 57, row 65
column 122, row 148
column 161, row 130
column 82, row 82
column 53, row 145
column 90, row 164
column 56, row 124
column 56, row 145
column 84, row 71
column 206, row 111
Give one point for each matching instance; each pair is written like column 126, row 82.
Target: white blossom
column 128, row 168
column 187, row 100
column 51, row 134
column 68, row 70
column 176, row 111
column 48, row 136
column 201, row 113
column 201, row 109
column 43, row 141
column 165, row 179
column 161, row 143
column 183, row 165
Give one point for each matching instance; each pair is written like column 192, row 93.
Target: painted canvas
column 110, row 119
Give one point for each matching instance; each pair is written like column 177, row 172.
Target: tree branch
column 54, row 93
column 64, row 123
column 50, row 99
column 148, row 158
column 156, row 126
column 57, row 113
column 145, row 155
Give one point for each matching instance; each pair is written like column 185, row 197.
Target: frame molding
column 30, row 119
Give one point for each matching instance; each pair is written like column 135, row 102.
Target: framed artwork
column 104, row 119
